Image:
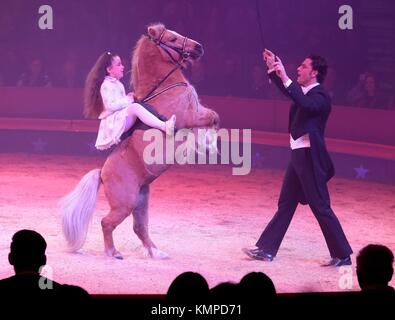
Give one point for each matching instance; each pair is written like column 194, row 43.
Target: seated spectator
column 35, row 75
column 257, row 287
column 68, row 76
column 365, row 93
column 374, row 272
column 188, row 288
column 375, row 268
column 257, row 293
column 27, row 256
column 27, row 286
column 225, row 293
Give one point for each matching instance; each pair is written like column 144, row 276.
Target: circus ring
column 202, row 215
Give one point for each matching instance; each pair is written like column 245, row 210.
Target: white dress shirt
column 303, row 141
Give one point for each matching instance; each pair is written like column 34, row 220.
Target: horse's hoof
column 159, row 254
column 115, row 254
column 118, row 256
column 156, row 254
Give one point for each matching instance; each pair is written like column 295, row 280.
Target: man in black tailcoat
column 310, row 167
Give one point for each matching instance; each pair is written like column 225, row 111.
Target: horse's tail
column 77, row 208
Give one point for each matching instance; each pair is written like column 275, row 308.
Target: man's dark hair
column 27, row 250
column 188, row 287
column 374, row 265
column 319, row 64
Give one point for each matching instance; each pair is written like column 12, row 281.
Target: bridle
column 184, row 56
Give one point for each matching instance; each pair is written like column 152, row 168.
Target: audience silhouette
column 374, row 272
column 225, row 293
column 257, row 287
column 27, row 287
column 258, row 293
column 255, row 292
column 188, row 288
column 375, row 268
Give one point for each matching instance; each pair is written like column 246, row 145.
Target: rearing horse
column 157, row 63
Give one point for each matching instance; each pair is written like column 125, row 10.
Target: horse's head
column 175, row 47
column 157, row 63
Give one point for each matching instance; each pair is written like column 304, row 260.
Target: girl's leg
column 137, row 111
column 130, row 120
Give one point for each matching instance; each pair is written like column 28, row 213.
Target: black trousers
column 299, row 178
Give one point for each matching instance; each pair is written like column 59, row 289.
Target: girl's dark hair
column 93, row 103
column 319, row 64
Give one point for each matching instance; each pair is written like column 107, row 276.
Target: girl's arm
column 111, row 100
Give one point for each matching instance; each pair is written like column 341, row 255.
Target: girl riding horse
column 158, row 60
column 105, row 98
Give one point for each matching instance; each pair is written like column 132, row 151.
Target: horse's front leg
column 140, row 225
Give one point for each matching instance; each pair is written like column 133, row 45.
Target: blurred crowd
column 233, row 33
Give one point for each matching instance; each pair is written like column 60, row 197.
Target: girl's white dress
column 113, row 117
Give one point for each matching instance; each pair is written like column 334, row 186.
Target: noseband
column 184, row 56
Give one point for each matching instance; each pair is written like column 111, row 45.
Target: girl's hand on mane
column 131, row 96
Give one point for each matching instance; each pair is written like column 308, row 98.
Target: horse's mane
column 141, row 49
column 135, row 61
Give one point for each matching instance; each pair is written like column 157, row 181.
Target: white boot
column 170, row 125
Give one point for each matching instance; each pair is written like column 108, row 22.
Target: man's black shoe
column 258, row 254
column 337, row 262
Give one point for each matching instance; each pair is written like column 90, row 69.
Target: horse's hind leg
column 122, row 197
column 140, row 225
column 109, row 223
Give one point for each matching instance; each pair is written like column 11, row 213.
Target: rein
column 152, row 95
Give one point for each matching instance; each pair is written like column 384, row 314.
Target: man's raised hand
column 269, row 58
column 280, row 70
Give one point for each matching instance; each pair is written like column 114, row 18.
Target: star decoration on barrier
column 257, row 160
column 39, row 145
column 361, row 172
